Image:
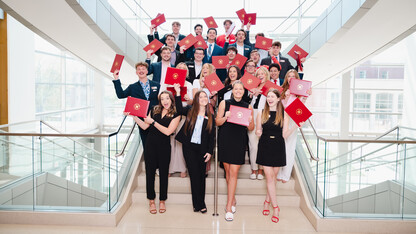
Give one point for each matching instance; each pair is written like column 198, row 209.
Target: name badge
column 282, row 61
column 191, row 66
column 246, row 48
column 154, row 88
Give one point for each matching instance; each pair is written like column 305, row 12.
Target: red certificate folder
column 220, row 62
column 300, row 87
column 183, row 91
column 250, row 81
column 154, row 45
column 270, row 85
column 263, row 43
column 297, row 53
column 200, row 42
column 239, row 115
column 137, row 107
column 298, row 111
column 175, row 76
column 210, row 22
column 160, row 19
column 213, row 83
column 239, row 60
column 188, row 41
column 118, row 60
column 241, row 14
column 250, row 18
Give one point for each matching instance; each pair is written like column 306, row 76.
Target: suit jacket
column 156, row 70
column 284, row 62
column 163, row 40
column 217, row 51
column 191, row 68
column 247, row 49
column 136, row 90
column 179, row 57
column 207, row 138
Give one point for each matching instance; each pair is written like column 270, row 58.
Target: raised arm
column 117, row 86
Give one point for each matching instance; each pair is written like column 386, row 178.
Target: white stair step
column 292, row 200
column 244, row 186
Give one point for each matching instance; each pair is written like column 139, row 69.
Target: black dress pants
column 157, row 155
column 196, row 168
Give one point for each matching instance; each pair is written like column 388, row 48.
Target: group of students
column 175, row 130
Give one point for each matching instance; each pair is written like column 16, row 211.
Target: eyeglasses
column 231, row 52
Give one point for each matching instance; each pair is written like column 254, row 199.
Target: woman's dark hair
column 193, row 114
column 228, row 80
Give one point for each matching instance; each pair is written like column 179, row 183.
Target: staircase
column 249, row 192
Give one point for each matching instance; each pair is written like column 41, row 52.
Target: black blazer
column 284, row 62
column 163, row 39
column 136, row 90
column 207, row 138
column 191, row 69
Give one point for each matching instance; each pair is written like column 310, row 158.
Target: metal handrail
column 287, row 18
column 126, row 142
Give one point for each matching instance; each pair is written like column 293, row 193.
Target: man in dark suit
column 158, row 69
column 177, row 56
column 213, row 49
column 242, row 48
column 195, row 66
column 176, row 27
column 275, row 57
column 143, row 89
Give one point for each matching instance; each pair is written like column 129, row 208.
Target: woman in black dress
column 162, row 121
column 273, row 128
column 232, row 141
column 197, row 138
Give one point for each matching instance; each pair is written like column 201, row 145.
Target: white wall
column 21, row 69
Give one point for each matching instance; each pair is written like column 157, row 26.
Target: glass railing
column 44, row 169
column 361, row 178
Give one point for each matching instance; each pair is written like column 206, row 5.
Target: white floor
column 181, row 219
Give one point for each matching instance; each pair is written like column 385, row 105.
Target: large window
column 362, row 104
column 64, row 88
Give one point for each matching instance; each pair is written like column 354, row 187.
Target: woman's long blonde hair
column 286, row 84
column 279, row 110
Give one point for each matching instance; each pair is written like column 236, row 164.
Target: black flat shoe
column 196, row 210
column 203, row 210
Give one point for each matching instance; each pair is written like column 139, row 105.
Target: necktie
column 209, row 50
column 274, row 59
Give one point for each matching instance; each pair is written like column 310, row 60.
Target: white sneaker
column 260, row 177
column 229, row 216
column 253, row 176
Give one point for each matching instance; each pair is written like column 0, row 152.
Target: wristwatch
column 153, row 123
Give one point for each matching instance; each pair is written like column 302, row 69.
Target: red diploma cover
column 297, row 53
column 213, row 83
column 160, row 19
column 175, row 76
column 239, row 60
column 183, row 91
column 250, row 18
column 298, row 111
column 263, row 43
column 250, row 81
column 137, row 107
column 210, row 22
column 220, row 62
column 154, row 45
column 270, row 85
column 241, row 14
column 118, row 60
column 200, row 42
column 188, row 41
column 300, row 87
column 239, row 115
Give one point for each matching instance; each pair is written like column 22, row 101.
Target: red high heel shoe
column 266, row 212
column 275, row 219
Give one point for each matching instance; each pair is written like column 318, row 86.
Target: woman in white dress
column 290, row 141
column 177, row 161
